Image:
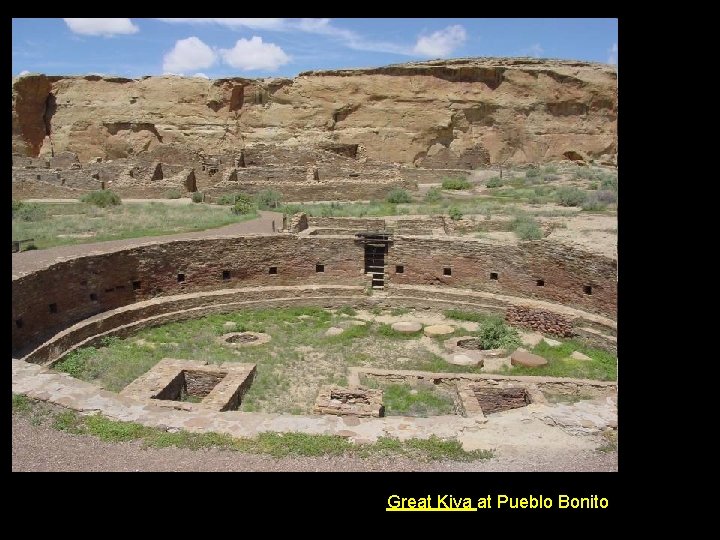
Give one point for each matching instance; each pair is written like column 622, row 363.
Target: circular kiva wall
column 73, row 302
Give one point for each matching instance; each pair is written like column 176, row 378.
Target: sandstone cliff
column 441, row 114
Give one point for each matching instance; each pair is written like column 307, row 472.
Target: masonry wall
column 323, row 190
column 123, row 277
column 155, row 268
column 565, row 272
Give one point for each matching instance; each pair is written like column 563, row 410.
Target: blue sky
column 284, row 47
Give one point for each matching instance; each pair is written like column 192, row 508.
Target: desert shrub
column 607, row 197
column 532, row 173
column 609, row 182
column 30, row 247
column 526, row 228
column 23, row 211
column 268, row 198
column 550, row 169
column 102, row 198
column 571, row 196
column 173, row 194
column 455, row 213
column 494, row 182
column 593, row 186
column 226, row 199
column 456, row 183
column 243, row 204
column 197, row 197
column 433, row 195
column 495, row 334
column 398, row 195
column 599, row 200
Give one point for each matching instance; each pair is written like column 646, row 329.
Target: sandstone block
column 522, row 358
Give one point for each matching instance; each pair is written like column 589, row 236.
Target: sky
column 272, row 47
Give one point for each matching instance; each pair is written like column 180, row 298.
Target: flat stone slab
column 531, row 338
column 349, row 324
column 334, row 331
column 523, row 358
column 577, row 355
column 438, row 330
column 464, row 360
column 407, row 327
column 552, row 342
column 230, row 326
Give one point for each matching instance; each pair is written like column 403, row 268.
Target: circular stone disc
column 438, row 330
column 407, row 327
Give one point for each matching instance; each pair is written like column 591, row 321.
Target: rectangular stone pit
column 193, row 385
column 361, row 402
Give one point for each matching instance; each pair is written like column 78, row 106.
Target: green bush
column 609, row 182
column 398, row 195
column 23, row 211
column 494, row 182
column 571, row 196
column 30, row 247
column 226, row 199
column 455, row 213
column 268, row 199
column 526, row 228
column 243, row 204
column 433, row 195
column 173, row 194
column 102, row 198
column 456, row 183
column 197, row 197
column 532, row 173
column 495, row 334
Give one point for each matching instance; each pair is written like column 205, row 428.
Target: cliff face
column 445, row 114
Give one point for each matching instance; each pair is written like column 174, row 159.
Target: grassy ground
column 602, row 366
column 274, row 444
column 422, row 399
column 56, row 224
column 300, row 357
column 290, row 368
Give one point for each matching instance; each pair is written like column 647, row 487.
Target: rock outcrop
column 461, row 113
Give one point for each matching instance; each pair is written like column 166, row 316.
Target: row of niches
column 226, row 275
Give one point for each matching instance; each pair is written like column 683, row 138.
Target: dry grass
column 58, row 224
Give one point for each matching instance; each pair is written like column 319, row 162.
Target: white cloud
column 534, row 51
column 23, row 72
column 441, row 43
column 101, row 27
column 201, row 75
column 254, row 54
column 259, row 24
column 613, row 55
column 188, row 55
column 349, row 38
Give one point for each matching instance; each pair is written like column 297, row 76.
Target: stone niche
column 340, row 401
column 193, row 385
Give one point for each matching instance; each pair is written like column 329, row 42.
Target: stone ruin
column 362, row 402
column 540, row 320
column 193, row 385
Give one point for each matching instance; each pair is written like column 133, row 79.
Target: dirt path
column 39, row 448
column 28, row 261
